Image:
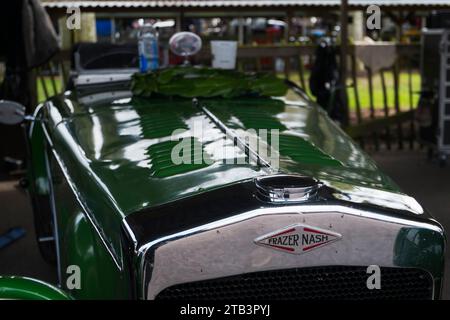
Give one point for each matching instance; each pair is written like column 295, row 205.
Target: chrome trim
column 46, row 239
column 91, row 77
column 185, row 251
column 85, row 210
column 252, row 154
column 299, row 230
column 55, row 219
column 35, row 115
column 102, row 97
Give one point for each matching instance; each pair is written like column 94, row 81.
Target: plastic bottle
column 148, row 48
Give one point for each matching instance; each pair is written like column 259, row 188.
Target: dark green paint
column 117, row 159
column 116, row 142
column 413, row 246
column 118, row 151
column 21, row 288
column 421, row 248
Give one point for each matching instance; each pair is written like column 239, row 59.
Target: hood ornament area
column 286, row 188
column 298, row 239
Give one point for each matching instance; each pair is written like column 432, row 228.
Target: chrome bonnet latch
column 286, row 188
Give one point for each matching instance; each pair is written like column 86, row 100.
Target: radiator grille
column 319, row 283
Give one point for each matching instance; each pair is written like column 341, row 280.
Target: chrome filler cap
column 286, row 188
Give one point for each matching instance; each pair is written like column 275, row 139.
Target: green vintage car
column 150, row 194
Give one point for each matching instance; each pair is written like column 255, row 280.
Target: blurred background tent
column 28, row 40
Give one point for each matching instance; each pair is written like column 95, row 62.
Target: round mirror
column 11, row 112
column 185, row 44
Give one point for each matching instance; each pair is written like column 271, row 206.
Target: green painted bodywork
column 125, row 146
column 21, row 288
column 111, row 159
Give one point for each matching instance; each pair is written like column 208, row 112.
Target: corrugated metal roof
column 232, row 3
column 184, row 4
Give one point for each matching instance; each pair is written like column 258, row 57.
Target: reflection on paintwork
column 358, row 194
column 419, row 247
column 119, row 139
column 97, row 136
column 162, row 166
column 321, row 145
column 82, row 245
column 99, row 98
column 120, row 151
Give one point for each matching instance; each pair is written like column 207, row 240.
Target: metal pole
column 113, row 30
column 179, row 22
column 241, row 31
column 287, row 30
column 399, row 25
column 343, row 60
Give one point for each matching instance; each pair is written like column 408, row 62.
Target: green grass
column 48, row 83
column 405, row 100
column 363, row 90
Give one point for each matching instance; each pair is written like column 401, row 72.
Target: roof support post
column 399, row 24
column 113, row 29
column 241, row 30
column 343, row 61
column 287, row 30
column 179, row 21
column 88, row 30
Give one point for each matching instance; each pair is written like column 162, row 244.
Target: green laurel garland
column 190, row 82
